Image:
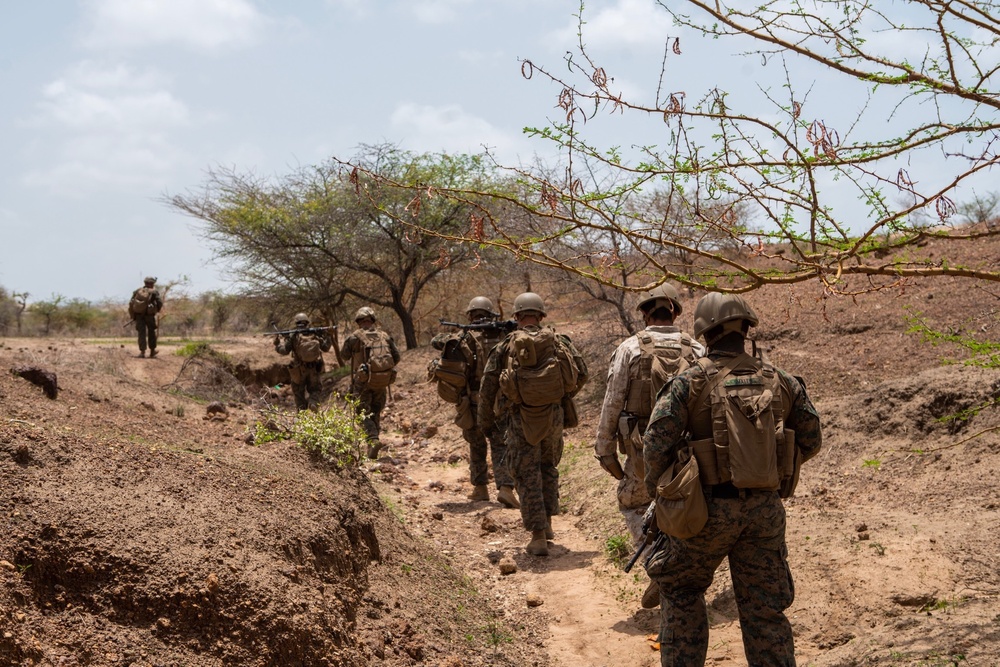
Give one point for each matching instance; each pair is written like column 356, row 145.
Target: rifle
column 506, row 326
column 291, row 331
column 652, row 536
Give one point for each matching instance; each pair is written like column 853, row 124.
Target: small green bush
column 334, row 434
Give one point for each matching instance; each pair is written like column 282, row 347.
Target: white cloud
column 449, row 128
column 111, row 125
column 632, row 23
column 437, row 11
column 201, row 24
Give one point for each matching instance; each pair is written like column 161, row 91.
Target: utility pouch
column 681, row 510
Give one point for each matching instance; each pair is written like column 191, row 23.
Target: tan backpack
column 375, row 368
column 308, row 347
column 750, row 446
column 142, row 302
column 540, row 370
column 660, row 359
column 452, row 369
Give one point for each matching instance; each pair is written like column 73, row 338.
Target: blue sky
column 110, row 104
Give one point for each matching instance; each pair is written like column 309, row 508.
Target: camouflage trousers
column 145, row 329
column 535, row 469
column 306, row 386
column 371, row 402
column 494, row 440
column 749, row 531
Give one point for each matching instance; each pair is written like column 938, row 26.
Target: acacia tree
column 324, row 239
column 781, row 165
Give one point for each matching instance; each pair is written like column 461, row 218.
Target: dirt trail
column 590, row 607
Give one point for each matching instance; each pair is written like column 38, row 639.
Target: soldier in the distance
column 306, row 367
column 143, row 307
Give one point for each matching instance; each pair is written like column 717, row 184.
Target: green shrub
column 334, row 434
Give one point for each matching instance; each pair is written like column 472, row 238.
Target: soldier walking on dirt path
column 532, row 376
column 745, row 427
column 639, row 367
column 306, row 367
column 143, row 308
column 373, row 355
column 481, row 312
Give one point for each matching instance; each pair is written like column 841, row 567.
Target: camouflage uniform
column 146, row 325
column 305, row 375
column 745, row 525
column 535, row 467
column 480, row 440
column 371, row 402
column 622, row 372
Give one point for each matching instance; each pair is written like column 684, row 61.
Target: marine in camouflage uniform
column 305, row 375
column 535, row 467
column 489, row 442
column 146, row 324
column 747, row 526
column 371, row 402
column 626, row 407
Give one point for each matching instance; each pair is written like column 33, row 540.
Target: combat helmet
column 480, row 303
column 666, row 292
column 301, row 321
column 528, row 301
column 715, row 309
column 364, row 312
column 149, row 280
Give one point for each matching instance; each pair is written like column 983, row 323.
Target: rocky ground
column 141, row 525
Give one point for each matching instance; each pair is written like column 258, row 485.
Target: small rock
column 489, row 525
column 494, row 556
column 508, row 566
column 861, row 527
column 437, row 516
column 212, row 583
column 534, row 600
column 454, row 458
column 7, row 565
column 435, row 485
column 863, row 536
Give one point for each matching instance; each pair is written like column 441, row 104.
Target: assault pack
column 142, row 302
column 750, row 446
column 451, row 371
column 660, row 360
column 540, row 369
column 376, row 368
column 308, row 347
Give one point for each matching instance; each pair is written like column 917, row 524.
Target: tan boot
column 152, row 353
column 651, row 596
column 506, row 497
column 479, row 492
column 538, row 546
column 549, row 533
column 373, row 447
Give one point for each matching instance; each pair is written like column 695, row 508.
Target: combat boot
column 373, row 447
column 549, row 533
column 142, row 354
column 506, row 497
column 538, row 546
column 152, row 353
column 479, row 492
column 651, row 596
